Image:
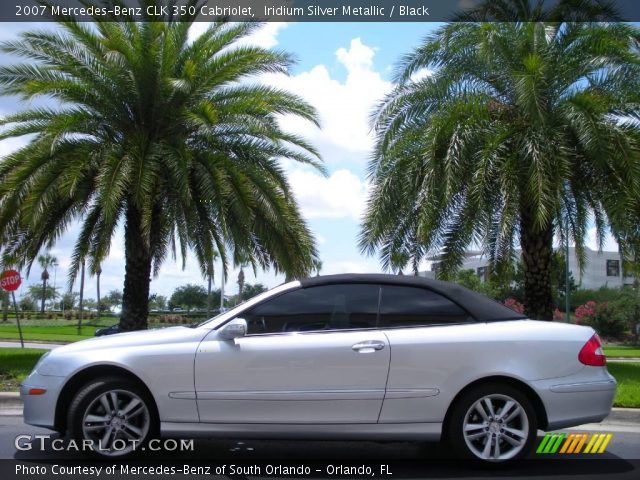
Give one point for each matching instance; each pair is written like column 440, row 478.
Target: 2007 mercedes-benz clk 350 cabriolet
column 378, row 357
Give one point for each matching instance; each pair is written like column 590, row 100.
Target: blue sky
column 343, row 69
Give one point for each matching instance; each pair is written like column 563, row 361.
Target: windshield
column 231, row 313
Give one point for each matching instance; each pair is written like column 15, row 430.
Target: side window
column 327, row 307
column 411, row 307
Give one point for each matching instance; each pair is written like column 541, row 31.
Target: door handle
column 368, row 346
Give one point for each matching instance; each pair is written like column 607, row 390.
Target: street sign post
column 10, row 281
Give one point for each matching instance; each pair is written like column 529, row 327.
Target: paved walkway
column 47, row 346
column 623, row 359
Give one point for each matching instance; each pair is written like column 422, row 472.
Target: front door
column 312, row 355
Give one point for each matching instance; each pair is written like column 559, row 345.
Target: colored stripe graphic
column 606, row 442
column 591, row 443
column 598, row 443
column 574, row 442
column 578, row 442
column 550, row 443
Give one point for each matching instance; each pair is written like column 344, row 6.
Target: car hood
column 118, row 349
column 153, row 336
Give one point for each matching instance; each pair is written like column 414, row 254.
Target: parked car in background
column 107, row 330
column 380, row 357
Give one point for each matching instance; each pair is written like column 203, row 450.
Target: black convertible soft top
column 482, row 308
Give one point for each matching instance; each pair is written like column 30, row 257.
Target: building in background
column 602, row 269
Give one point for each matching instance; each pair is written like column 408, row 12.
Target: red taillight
column 592, row 354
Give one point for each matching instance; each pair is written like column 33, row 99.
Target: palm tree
column 240, row 283
column 317, row 266
column 81, row 297
column 399, row 261
column 46, row 261
column 520, row 126
column 167, row 136
column 208, row 273
column 98, row 272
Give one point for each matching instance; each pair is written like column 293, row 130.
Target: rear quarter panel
column 448, row 358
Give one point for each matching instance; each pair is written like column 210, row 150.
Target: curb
column 10, row 400
column 624, row 416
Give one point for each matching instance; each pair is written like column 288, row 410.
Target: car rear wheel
column 114, row 415
column 493, row 424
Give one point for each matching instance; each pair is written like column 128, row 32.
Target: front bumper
column 40, row 410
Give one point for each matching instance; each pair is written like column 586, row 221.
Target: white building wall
column 594, row 276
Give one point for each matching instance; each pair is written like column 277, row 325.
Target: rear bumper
column 570, row 402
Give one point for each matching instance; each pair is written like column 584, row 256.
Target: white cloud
column 344, row 107
column 358, row 57
column 10, row 145
column 341, row 195
column 350, row 266
column 266, row 36
column 421, row 74
column 609, row 244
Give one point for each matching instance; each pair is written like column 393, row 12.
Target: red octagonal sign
column 10, row 280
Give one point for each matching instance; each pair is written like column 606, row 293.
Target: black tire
column 89, row 397
column 464, row 446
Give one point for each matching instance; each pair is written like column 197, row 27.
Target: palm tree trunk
column 44, row 295
column 80, row 305
column 240, row 284
column 209, row 299
column 5, row 307
column 537, row 249
column 98, row 292
column 135, row 297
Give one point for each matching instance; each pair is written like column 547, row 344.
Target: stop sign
column 10, row 280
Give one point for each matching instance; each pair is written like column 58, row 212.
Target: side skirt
column 380, row 431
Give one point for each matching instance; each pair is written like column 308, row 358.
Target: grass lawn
column 47, row 333
column 15, row 365
column 622, row 351
column 628, row 377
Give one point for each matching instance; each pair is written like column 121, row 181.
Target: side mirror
column 234, row 329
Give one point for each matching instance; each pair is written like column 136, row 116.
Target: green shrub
column 601, row 295
column 609, row 322
column 613, row 318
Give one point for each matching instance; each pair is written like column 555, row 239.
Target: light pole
column 55, row 273
column 567, row 290
column 222, row 289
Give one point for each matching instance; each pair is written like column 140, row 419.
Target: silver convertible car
column 377, row 357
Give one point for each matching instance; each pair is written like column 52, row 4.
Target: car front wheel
column 113, row 415
column 493, row 424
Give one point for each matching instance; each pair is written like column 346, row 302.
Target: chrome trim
column 583, row 387
column 397, row 393
column 294, row 395
column 183, row 395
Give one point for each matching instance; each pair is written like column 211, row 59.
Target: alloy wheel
column 496, row 428
column 116, row 422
